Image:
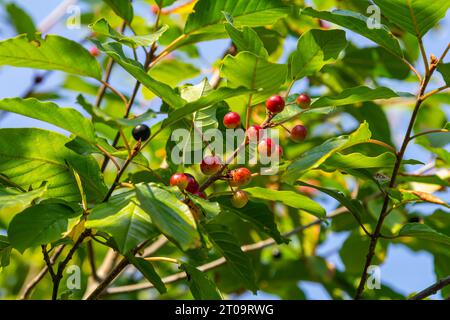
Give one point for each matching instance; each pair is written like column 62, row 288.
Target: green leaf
column 353, row 206
column 5, row 251
column 315, row 49
column 415, row 16
column 164, row 3
column 205, row 118
column 171, row 72
column 148, row 272
column 258, row 215
column 246, row 40
column 122, row 8
column 162, row 90
column 244, row 12
column 202, row 288
column 428, row 179
column 20, row 19
column 38, row 225
column 28, row 157
column 98, row 115
column 355, row 95
column 50, row 53
column 224, row 242
column 66, row 118
column 289, row 198
column 422, row 231
column 101, row 26
column 213, row 97
column 171, row 216
column 358, row 161
column 404, row 196
column 124, row 220
column 358, row 23
column 13, row 201
column 354, row 250
column 211, row 209
column 291, row 111
column 253, row 72
column 444, row 70
column 314, row 157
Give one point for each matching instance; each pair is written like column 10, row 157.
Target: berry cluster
column 213, row 166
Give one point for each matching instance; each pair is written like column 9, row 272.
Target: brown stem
column 91, row 256
column 116, row 92
column 384, row 209
column 130, row 103
column 428, row 132
column 33, row 283
column 119, row 175
column 62, row 265
column 102, row 90
column 429, row 94
column 120, row 267
column 48, row 262
column 431, row 289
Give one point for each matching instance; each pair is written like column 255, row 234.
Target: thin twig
column 91, row 257
column 102, row 90
column 116, row 92
column 123, row 263
column 431, row 289
column 107, row 154
column 62, row 265
column 48, row 262
column 384, row 210
column 429, row 94
column 428, row 132
column 419, row 77
column 33, row 283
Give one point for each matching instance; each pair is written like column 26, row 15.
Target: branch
column 384, row 210
column 32, row 284
column 429, row 94
column 116, row 182
column 102, row 90
column 218, row 262
column 62, row 265
column 91, row 257
column 48, row 262
column 120, row 267
column 431, row 289
column 428, row 132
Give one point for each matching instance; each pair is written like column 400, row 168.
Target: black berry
column 141, row 132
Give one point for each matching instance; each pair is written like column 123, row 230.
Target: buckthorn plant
column 216, row 149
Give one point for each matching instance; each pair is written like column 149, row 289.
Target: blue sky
column 404, row 270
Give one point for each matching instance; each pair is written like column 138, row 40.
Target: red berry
column 200, row 194
column 303, row 101
column 154, row 9
column 193, row 185
column 254, row 132
column 275, row 104
column 266, row 147
column 231, row 120
column 180, row 180
column 279, row 150
column 94, row 51
column 240, row 177
column 298, row 133
column 239, row 199
column 210, row 165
